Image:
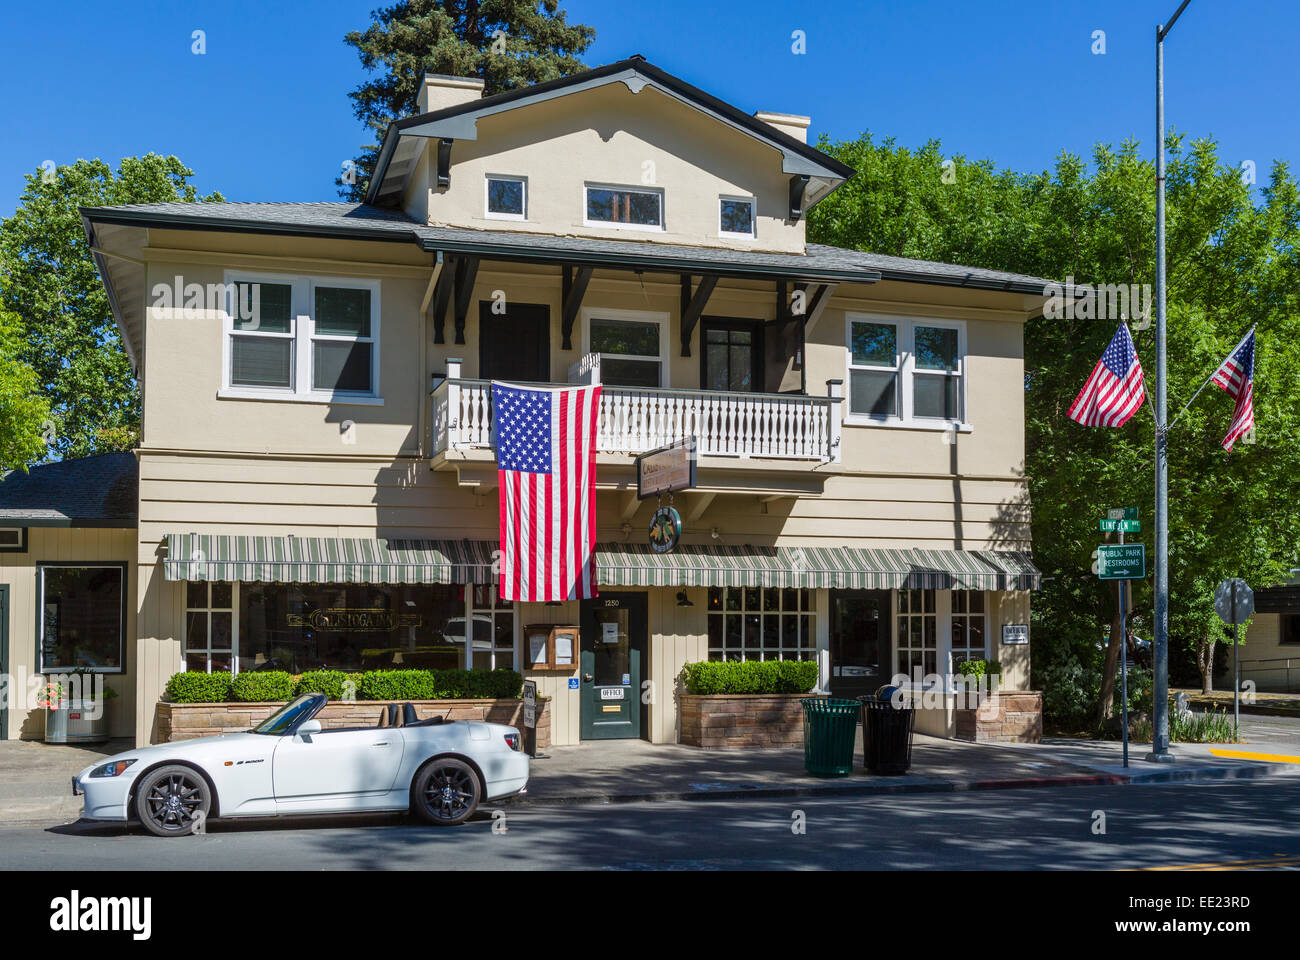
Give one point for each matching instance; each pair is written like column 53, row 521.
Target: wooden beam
column 693, row 306
column 433, row 281
column 575, row 281
column 699, row 503
column 466, row 271
column 444, row 163
column 627, row 506
column 442, row 296
column 814, row 308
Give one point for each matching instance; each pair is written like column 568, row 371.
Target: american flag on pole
column 546, row 467
column 1236, row 376
column 1115, row 390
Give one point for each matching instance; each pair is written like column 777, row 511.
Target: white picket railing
column 637, row 419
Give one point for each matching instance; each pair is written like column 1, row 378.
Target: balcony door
column 514, row 345
column 731, row 358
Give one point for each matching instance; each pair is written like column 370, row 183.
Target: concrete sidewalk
column 632, row 770
column 36, row 778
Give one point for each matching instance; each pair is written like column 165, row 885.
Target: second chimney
column 440, row 92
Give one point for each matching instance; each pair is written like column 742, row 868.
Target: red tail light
column 513, row 740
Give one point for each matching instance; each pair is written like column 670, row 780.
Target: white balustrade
column 635, row 419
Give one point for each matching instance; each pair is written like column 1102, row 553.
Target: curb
column 1241, row 772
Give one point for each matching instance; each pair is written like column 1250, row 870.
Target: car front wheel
column 446, row 792
column 172, row 800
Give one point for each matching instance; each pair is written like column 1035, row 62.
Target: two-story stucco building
column 860, row 497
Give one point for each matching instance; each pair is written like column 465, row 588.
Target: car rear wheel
column 171, row 800
column 446, row 792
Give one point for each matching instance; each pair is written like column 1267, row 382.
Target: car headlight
column 114, row 769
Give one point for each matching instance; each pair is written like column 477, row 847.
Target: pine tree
column 505, row 43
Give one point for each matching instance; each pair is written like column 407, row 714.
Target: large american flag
column 546, row 463
column 1115, row 390
column 1236, row 376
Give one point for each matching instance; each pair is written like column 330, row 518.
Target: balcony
column 632, row 420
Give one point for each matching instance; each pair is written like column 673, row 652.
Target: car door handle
column 381, row 743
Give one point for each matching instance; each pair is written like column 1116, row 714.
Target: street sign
column 666, row 470
column 1234, row 602
column 530, row 703
column 1121, row 561
column 1122, row 513
column 1122, row 526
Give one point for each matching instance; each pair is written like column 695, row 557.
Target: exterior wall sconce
column 683, row 600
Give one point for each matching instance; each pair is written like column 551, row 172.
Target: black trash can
column 886, row 736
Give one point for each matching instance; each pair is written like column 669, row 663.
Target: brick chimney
column 440, row 92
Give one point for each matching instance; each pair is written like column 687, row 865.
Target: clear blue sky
column 263, row 115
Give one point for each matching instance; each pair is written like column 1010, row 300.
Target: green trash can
column 829, row 726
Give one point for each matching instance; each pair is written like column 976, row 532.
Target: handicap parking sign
column 573, row 683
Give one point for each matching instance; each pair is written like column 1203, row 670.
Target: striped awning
column 328, row 560
column 854, row 568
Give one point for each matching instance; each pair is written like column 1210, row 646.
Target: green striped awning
column 327, row 560
column 636, row 565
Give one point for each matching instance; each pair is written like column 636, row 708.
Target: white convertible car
column 440, row 769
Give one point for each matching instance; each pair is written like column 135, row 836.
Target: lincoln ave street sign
column 1121, row 561
column 1122, row 526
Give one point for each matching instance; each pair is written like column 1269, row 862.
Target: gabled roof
column 459, row 122
column 99, row 491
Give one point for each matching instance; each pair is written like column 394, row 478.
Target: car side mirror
column 309, row 727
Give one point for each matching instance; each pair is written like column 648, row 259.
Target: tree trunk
column 1112, row 665
column 1205, row 663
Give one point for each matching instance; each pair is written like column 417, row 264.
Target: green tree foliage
column 24, row 412
column 505, row 43
column 49, row 282
column 1233, row 261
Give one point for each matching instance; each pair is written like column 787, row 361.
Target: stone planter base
column 741, row 720
column 1014, row 716
column 185, row 721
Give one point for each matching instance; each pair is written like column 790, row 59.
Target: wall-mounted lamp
column 683, row 600
column 627, row 529
column 715, row 534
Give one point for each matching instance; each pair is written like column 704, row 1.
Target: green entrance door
column 613, row 652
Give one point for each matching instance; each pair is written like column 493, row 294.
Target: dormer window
column 626, row 207
column 507, row 198
column 736, row 217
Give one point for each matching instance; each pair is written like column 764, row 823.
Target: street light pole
column 1160, row 652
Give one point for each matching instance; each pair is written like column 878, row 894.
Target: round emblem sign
column 665, row 529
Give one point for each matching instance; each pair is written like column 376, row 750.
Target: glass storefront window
column 297, row 627
column 969, row 628
column 918, row 640
column 81, row 617
column 753, row 623
column 209, row 627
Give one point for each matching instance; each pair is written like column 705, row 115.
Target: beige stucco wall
column 646, row 139
column 18, row 571
column 1263, row 642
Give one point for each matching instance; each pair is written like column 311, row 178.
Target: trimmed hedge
column 752, row 676
column 260, row 686
column 439, row 685
column 199, row 688
column 277, row 685
column 335, row 684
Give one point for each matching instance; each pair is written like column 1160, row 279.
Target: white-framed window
column 906, row 371
column 917, row 646
column 969, row 627
column 13, row 539
column 81, row 617
column 761, row 623
column 312, row 339
column 633, row 345
column 736, row 217
column 493, row 620
column 628, row 208
column 505, row 197
column 211, row 641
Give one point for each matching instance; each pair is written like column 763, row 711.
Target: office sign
column 1014, row 634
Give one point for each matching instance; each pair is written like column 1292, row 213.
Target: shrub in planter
column 475, row 684
column 191, row 687
column 332, row 683
column 261, row 685
column 396, row 685
column 770, row 676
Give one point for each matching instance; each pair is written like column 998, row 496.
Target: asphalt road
column 1232, row 823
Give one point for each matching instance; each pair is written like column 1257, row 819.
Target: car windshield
column 280, row 722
